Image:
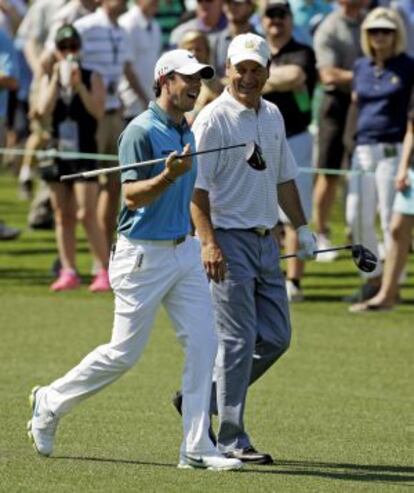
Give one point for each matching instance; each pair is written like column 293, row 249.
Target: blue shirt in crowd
column 383, row 99
column 8, row 66
column 153, row 135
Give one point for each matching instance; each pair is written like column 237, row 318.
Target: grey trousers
column 252, row 324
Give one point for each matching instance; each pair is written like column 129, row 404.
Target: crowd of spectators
column 73, row 73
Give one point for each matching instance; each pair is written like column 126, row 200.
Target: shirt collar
column 142, row 18
column 101, row 14
column 165, row 118
column 222, row 23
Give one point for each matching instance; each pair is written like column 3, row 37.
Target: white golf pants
column 144, row 275
column 372, row 193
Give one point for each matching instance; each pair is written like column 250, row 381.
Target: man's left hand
column 307, row 243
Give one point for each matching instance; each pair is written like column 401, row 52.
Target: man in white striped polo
column 106, row 49
column 234, row 209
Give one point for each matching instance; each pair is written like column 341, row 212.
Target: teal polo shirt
column 153, row 135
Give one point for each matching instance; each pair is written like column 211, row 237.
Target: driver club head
column 364, row 259
column 254, row 156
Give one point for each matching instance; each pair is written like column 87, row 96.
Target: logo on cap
column 250, row 44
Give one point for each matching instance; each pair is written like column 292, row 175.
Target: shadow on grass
column 401, row 475
column 29, row 276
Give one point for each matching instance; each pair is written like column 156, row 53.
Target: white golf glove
column 307, row 243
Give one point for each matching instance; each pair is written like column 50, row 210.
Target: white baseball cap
column 249, row 47
column 183, row 62
column 381, row 22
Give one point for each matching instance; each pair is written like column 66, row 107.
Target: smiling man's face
column 183, row 91
column 246, row 81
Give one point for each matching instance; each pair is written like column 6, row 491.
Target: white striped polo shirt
column 242, row 197
column 105, row 49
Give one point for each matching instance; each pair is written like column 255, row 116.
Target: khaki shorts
column 107, row 135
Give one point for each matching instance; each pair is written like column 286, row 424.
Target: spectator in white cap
column 155, row 261
column 234, row 209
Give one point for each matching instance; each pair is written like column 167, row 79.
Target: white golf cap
column 381, row 22
column 249, row 47
column 183, row 62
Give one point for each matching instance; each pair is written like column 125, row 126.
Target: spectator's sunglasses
column 68, row 46
column 277, row 13
column 381, row 30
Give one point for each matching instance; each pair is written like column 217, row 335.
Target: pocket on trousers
column 126, row 260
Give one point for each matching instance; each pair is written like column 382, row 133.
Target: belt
column 260, row 231
column 171, row 243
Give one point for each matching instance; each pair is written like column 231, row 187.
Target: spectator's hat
column 249, row 47
column 380, row 22
column 67, row 33
column 276, row 6
column 182, row 62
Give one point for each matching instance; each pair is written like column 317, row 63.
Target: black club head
column 254, row 156
column 364, row 259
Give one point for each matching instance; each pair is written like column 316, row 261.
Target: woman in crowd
column 383, row 81
column 74, row 99
column 401, row 226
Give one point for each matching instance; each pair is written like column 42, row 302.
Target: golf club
column 251, row 149
column 363, row 258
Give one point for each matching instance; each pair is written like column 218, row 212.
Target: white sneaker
column 216, row 462
column 42, row 427
column 324, row 243
column 294, row 293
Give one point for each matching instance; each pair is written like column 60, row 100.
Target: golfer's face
column 246, row 80
column 183, row 91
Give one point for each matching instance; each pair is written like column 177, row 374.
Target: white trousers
column 372, row 193
column 143, row 275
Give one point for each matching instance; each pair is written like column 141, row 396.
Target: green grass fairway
column 336, row 411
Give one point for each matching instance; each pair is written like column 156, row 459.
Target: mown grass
column 336, row 411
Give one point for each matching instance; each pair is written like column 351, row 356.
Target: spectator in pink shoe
column 74, row 99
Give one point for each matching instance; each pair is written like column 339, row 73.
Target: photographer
column 74, row 99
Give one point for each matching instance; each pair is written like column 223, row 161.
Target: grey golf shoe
column 41, row 428
column 212, row 462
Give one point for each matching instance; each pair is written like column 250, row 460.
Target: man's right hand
column 175, row 167
column 214, row 262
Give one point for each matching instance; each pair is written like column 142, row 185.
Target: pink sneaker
column 100, row 283
column 67, row 280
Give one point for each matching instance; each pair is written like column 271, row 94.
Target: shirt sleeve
column 325, row 49
column 207, row 136
column 127, row 41
column 135, row 146
column 8, row 60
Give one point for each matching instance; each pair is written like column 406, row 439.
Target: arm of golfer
column 289, row 201
column 141, row 193
column 211, row 255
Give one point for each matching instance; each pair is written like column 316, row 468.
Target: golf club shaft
column 333, row 249
column 151, row 162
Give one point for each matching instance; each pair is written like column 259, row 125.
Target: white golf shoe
column 323, row 244
column 212, row 462
column 42, row 427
